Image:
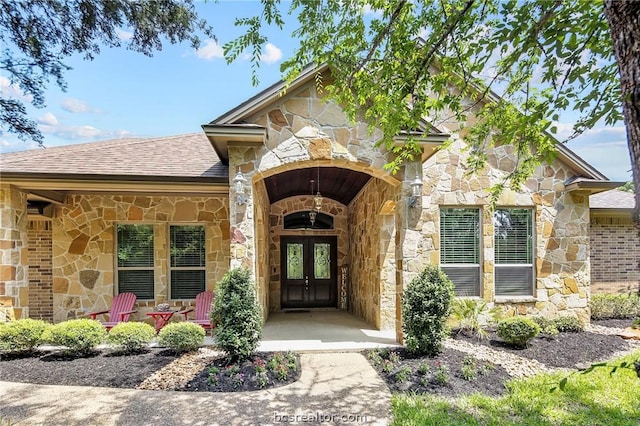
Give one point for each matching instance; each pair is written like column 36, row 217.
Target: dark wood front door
column 309, row 269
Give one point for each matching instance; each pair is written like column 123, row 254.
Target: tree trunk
column 624, row 24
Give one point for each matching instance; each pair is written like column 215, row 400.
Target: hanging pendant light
column 317, row 199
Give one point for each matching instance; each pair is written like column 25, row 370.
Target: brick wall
column 615, row 255
column 40, row 273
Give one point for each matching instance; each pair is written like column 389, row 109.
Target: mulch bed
column 101, row 368
column 614, row 323
column 567, row 350
column 106, row 368
column 220, row 376
column 489, row 378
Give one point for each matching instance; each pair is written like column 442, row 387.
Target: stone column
column 410, row 253
column 242, row 215
column 14, row 283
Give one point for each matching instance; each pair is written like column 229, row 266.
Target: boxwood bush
column 518, row 331
column 567, row 324
column 131, row 336
column 548, row 327
column 614, row 306
column 426, row 304
column 182, row 336
column 22, row 335
column 78, row 335
column 236, row 313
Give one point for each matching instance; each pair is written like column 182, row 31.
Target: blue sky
column 126, row 94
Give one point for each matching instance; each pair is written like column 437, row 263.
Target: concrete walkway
column 333, row 388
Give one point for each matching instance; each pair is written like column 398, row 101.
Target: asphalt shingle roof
column 614, row 199
column 190, row 155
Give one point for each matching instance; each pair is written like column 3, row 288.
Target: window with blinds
column 187, row 261
column 135, row 264
column 513, row 235
column 460, row 248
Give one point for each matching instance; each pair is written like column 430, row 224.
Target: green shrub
column 567, row 324
column 77, row 335
column 182, row 336
column 622, row 306
column 22, row 335
column 547, row 326
column 426, row 304
column 237, row 315
column 131, row 336
column 468, row 314
column 518, row 331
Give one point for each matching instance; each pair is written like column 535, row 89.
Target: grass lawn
column 597, row 398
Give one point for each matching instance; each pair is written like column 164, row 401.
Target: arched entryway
column 346, row 259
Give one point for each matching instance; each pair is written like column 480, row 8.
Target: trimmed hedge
column 518, row 331
column 182, row 336
column 131, row 336
column 22, row 335
column 615, row 306
column 78, row 335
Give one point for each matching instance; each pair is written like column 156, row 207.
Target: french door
column 309, row 270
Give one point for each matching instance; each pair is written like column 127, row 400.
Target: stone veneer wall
column 372, row 270
column 83, row 246
column 262, row 248
column 287, row 206
column 615, row 255
column 40, row 246
column 303, row 130
column 561, row 223
column 14, row 262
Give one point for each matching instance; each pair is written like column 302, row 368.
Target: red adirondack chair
column 121, row 309
column 202, row 309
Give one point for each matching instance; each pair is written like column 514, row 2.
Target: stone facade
column 40, row 246
column 14, row 254
column 372, row 252
column 304, row 130
column 561, row 224
column 615, row 255
column 84, row 246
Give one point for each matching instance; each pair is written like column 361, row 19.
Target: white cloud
column 13, row 90
column 368, row 10
column 13, row 144
column 210, row 50
column 271, row 54
column 48, row 119
column 77, row 106
column 124, row 35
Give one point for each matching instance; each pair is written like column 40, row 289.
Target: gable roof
column 231, row 126
column 174, row 158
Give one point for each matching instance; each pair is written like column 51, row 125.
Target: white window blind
column 187, row 260
column 460, row 248
column 513, row 235
column 135, row 262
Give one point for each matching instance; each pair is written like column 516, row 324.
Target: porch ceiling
column 336, row 183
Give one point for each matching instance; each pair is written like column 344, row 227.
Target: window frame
column 478, row 246
column 171, row 268
column 530, row 266
column 118, row 268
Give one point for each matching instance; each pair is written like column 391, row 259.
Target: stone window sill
column 515, row 299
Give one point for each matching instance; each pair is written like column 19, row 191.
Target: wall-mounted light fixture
column 416, row 191
column 239, row 182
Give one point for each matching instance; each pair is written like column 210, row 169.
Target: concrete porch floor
column 320, row 331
